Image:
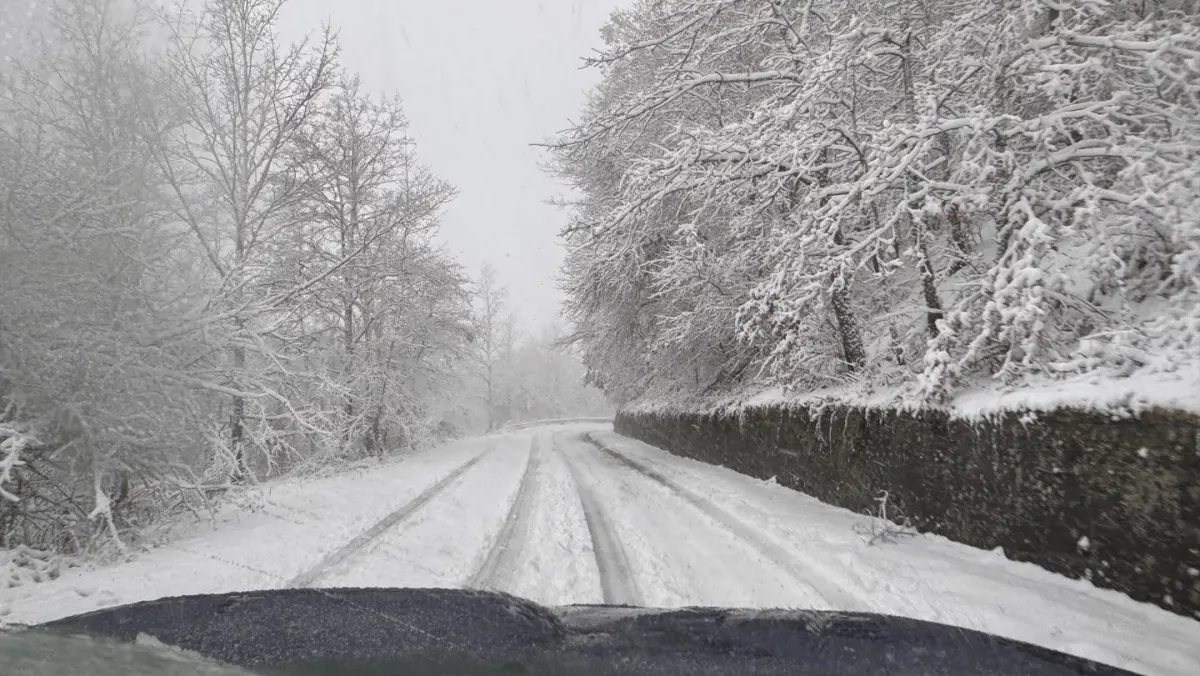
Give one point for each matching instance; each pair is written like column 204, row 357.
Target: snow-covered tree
column 236, row 176
column 490, row 319
column 370, row 222
column 90, row 429
column 638, row 334
column 547, row 381
column 217, row 258
column 895, row 190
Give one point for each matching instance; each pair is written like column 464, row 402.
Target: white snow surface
column 683, row 534
column 1178, row 390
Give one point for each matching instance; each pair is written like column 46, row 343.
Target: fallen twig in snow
column 886, row 526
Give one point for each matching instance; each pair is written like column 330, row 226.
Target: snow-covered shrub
column 22, row 565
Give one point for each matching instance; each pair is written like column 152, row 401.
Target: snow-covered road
column 574, row 513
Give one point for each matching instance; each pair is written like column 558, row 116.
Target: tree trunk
column 933, row 304
column 237, row 433
column 852, row 345
column 491, row 403
column 373, row 439
column 348, row 336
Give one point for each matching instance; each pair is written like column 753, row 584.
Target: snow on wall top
column 1121, row 396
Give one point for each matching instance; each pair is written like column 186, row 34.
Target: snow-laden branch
column 12, row 442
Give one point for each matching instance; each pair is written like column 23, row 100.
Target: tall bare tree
column 236, row 177
column 371, row 218
column 490, row 301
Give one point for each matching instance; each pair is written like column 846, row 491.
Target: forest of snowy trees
column 517, row 378
column 219, row 263
column 920, row 195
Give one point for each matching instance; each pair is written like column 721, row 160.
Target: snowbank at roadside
column 275, row 532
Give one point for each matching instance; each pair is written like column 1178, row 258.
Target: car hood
column 442, row 631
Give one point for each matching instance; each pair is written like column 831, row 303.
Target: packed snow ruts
column 349, row 549
column 616, row 573
column 833, row 594
column 499, row 567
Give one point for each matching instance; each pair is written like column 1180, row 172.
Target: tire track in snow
column 617, row 583
column 834, row 594
column 499, row 568
column 310, row 576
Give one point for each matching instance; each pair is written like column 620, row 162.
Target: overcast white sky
column 480, row 80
